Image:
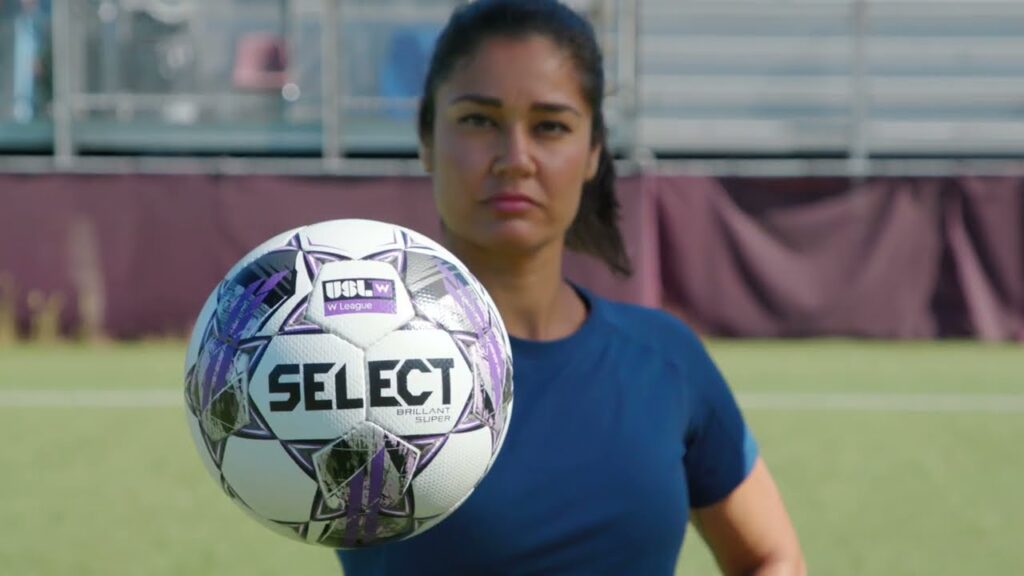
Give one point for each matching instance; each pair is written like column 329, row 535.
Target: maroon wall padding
column 860, row 262
column 889, row 258
column 985, row 231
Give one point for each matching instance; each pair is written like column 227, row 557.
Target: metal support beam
column 61, row 39
column 858, row 148
column 330, row 30
column 627, row 55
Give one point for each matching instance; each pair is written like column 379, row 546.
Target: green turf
column 871, row 366
column 135, row 366
column 885, row 493
column 121, row 490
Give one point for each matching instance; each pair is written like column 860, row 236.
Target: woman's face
column 511, row 146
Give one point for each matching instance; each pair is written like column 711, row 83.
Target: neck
column 534, row 300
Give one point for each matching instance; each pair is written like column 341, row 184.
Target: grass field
column 894, row 458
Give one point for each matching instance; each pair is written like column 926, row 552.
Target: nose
column 515, row 158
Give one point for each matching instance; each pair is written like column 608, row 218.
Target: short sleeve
column 720, row 450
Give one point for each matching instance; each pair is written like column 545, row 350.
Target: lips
column 510, row 202
column 510, row 197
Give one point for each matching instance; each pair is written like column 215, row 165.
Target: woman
column 622, row 428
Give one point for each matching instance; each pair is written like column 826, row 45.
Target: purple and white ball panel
column 195, row 342
column 264, row 477
column 277, row 242
column 353, row 238
column 453, row 472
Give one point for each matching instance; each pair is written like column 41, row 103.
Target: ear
column 594, row 161
column 426, row 156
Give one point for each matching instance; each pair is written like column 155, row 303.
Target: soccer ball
column 348, row 383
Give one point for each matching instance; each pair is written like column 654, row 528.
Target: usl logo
column 359, row 296
column 359, row 288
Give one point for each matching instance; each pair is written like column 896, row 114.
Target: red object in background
column 261, row 62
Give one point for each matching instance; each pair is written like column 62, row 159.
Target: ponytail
column 595, row 230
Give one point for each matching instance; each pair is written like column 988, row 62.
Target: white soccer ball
column 348, row 383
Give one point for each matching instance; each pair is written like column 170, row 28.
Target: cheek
column 459, row 169
column 456, row 155
column 568, row 173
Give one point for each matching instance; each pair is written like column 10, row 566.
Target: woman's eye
column 552, row 127
column 476, row 121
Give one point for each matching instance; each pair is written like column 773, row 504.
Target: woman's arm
column 750, row 532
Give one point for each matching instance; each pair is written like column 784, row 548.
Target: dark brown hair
column 595, row 230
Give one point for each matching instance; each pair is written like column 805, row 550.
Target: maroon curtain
column 890, row 258
column 862, row 261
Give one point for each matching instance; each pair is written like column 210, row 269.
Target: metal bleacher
column 765, row 80
column 822, row 78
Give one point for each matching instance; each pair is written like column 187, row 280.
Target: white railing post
column 859, row 153
column 60, row 38
column 628, row 55
column 331, row 85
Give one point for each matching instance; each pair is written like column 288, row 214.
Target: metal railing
column 329, row 86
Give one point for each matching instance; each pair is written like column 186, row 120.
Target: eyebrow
column 492, row 102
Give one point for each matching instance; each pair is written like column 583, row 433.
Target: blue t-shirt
column 617, row 431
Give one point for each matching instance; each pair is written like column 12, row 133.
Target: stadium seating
column 781, row 78
column 711, row 78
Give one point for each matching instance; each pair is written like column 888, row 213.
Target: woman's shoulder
column 659, row 331
column 664, row 343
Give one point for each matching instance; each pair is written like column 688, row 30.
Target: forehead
column 528, row 68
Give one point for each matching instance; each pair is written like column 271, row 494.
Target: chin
column 515, row 238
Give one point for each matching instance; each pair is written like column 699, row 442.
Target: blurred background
column 830, row 191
